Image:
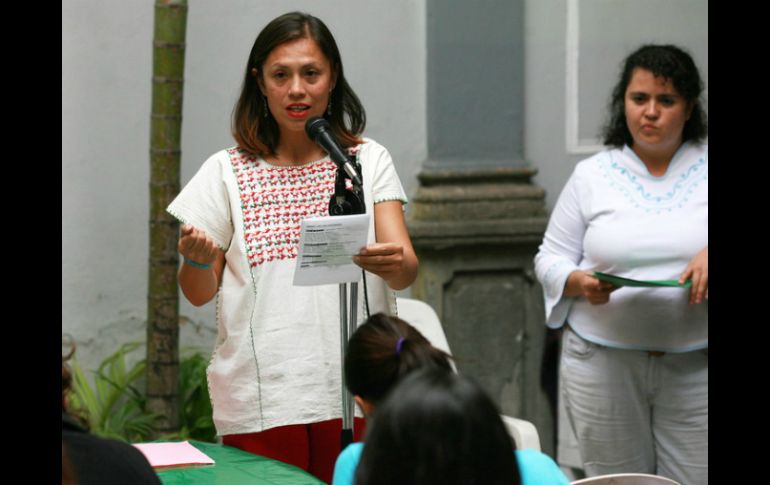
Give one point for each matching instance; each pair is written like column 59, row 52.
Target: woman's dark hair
column 66, row 381
column 670, row 63
column 66, row 375
column 437, row 427
column 259, row 135
column 375, row 360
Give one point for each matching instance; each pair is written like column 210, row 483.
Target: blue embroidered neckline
column 655, row 194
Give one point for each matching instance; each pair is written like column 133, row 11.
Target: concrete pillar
column 477, row 219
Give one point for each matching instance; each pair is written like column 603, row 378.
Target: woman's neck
column 656, row 161
column 295, row 149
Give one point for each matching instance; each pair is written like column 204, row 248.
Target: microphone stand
column 347, row 202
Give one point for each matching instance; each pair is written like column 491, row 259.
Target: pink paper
column 173, row 454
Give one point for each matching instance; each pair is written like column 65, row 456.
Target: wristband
column 196, row 264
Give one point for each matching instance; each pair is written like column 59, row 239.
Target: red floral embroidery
column 275, row 199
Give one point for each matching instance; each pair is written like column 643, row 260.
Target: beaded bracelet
column 196, row 264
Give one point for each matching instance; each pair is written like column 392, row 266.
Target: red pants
column 312, row 447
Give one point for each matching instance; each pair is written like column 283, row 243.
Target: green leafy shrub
column 195, row 411
column 115, row 407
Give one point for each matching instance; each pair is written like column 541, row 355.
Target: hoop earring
column 264, row 103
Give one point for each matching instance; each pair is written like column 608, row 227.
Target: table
column 236, row 467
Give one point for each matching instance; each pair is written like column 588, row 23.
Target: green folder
column 618, row 281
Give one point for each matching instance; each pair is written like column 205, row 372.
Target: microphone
column 319, row 130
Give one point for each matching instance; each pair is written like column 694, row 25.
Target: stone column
column 476, row 220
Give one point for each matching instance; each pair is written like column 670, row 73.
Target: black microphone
column 319, row 130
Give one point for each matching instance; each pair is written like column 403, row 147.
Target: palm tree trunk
column 165, row 154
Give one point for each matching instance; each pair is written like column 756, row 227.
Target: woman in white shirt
column 634, row 364
column 274, row 377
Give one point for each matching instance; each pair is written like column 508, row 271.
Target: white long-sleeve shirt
column 614, row 217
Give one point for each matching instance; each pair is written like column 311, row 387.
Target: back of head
column 670, row 63
column 66, row 378
column 383, row 350
column 437, row 427
column 68, row 351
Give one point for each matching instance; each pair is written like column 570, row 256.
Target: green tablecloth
column 236, row 467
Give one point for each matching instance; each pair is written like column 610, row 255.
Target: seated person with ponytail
column 382, row 351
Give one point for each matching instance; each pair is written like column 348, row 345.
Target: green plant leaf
column 115, row 405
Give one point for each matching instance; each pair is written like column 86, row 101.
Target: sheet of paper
column 326, row 249
column 173, row 454
column 619, row 281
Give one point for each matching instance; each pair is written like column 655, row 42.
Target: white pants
column 635, row 412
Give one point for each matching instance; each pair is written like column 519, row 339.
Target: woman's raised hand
column 383, row 259
column 194, row 244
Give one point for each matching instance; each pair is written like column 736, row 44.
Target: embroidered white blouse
column 277, row 356
column 614, row 217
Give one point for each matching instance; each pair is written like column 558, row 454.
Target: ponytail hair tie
column 399, row 344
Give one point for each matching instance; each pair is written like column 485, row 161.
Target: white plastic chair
column 422, row 317
column 626, row 479
column 523, row 432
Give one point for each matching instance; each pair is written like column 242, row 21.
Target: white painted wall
column 106, row 93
